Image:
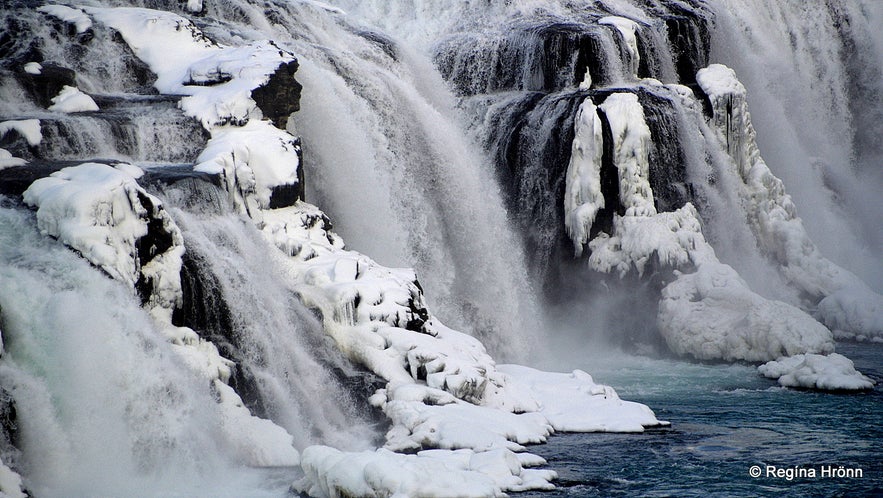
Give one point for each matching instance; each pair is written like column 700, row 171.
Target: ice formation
column 833, row 372
column 774, row 220
column 582, row 197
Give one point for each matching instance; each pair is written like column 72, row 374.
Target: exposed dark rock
column 15, row 180
column 280, row 96
column 45, row 86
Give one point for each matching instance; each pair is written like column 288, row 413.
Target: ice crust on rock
column 833, row 372
column 27, row 128
column 70, row 15
column 101, row 212
column 215, row 80
column 853, row 308
column 706, row 311
column 253, row 159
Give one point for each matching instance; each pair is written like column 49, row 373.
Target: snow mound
column 7, row 160
column 435, row 473
column 711, row 314
column 833, row 372
column 854, row 312
column 27, row 128
column 71, row 99
column 853, row 309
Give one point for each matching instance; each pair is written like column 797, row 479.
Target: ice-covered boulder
column 217, row 80
column 833, row 372
column 101, row 212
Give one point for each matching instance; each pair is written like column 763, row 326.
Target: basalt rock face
column 525, row 83
column 280, row 96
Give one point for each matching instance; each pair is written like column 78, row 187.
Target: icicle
column 582, row 191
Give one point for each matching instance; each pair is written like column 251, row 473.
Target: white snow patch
column 27, row 128
column 582, row 190
column 33, row 68
column 833, row 372
column 71, row 99
column 69, row 15
column 7, row 160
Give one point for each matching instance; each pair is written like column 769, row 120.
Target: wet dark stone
column 15, row 180
column 668, row 175
column 45, row 86
column 205, row 310
column 280, row 96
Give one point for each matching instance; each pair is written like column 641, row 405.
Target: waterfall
column 814, row 97
column 105, row 407
column 286, row 369
column 511, row 178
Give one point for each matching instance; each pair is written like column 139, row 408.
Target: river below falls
column 725, row 419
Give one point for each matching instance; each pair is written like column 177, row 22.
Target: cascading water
column 589, row 150
column 105, row 406
column 285, row 365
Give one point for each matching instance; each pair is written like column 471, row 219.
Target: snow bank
column 582, row 189
column 435, row 473
column 774, row 221
column 833, row 372
column 216, row 80
column 253, row 159
column 575, row 403
column 27, row 128
column 71, row 99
